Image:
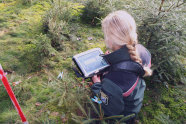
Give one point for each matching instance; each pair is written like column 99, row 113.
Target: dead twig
column 162, row 1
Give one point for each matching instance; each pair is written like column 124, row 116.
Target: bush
column 56, row 22
column 26, row 2
column 34, row 54
column 162, row 33
column 95, row 10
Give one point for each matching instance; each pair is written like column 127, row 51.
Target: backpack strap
column 130, row 66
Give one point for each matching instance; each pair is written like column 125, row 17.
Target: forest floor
column 41, row 94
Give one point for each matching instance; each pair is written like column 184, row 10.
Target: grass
column 43, row 97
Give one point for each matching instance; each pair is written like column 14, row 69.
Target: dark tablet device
column 90, row 62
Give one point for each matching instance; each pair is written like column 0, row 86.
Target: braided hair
column 120, row 29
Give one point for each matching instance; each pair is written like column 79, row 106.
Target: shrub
column 56, row 22
column 92, row 113
column 26, row 2
column 94, row 10
column 33, row 54
column 162, row 33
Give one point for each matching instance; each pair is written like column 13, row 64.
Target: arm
column 96, row 87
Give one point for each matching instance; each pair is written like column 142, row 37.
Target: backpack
column 111, row 94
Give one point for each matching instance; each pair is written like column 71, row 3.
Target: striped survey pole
column 11, row 94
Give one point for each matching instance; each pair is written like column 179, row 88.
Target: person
column 120, row 36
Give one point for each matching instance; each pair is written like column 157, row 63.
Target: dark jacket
column 131, row 84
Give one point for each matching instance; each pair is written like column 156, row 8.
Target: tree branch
column 179, row 4
column 162, row 1
column 170, row 7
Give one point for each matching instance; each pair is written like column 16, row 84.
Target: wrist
column 98, row 82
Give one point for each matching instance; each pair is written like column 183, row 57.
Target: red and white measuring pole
column 11, row 94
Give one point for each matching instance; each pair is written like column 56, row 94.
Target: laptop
column 90, row 62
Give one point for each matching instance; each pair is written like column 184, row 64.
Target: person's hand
column 96, row 78
column 107, row 52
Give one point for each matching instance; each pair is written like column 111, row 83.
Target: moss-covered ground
column 44, row 98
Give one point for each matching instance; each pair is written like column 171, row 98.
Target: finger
column 107, row 52
column 91, row 83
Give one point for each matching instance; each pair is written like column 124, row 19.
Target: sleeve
column 111, row 96
column 96, row 87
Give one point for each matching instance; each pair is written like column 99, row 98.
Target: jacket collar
column 118, row 56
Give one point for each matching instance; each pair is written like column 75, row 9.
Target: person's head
column 119, row 29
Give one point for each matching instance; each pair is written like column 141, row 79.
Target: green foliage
column 95, row 10
column 29, row 2
column 162, row 105
column 92, row 113
column 34, row 53
column 164, row 119
column 26, row 2
column 58, row 22
column 163, row 34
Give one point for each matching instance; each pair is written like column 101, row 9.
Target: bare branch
column 162, row 1
column 170, row 7
column 179, row 4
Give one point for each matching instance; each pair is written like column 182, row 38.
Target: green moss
column 166, row 103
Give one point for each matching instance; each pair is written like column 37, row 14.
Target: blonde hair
column 120, row 29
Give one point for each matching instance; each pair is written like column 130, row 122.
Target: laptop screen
column 92, row 61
